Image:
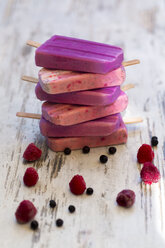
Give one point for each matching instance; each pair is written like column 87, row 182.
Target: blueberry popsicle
column 102, row 96
column 66, row 115
column 100, row 127
column 56, row 81
column 66, row 53
column 116, row 138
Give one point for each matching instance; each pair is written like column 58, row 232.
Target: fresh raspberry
column 32, row 153
column 30, row 177
column 126, row 198
column 77, row 185
column 149, row 173
column 145, row 154
column 25, row 212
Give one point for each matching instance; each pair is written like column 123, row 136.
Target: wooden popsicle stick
column 132, row 120
column 131, row 62
column 33, row 43
column 125, row 63
column 35, row 81
column 28, row 115
column 38, row 116
column 127, row 87
column 29, row 79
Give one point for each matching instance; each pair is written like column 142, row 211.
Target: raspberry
column 145, row 154
column 32, row 153
column 77, row 185
column 25, row 212
column 126, row 198
column 149, row 173
column 30, row 177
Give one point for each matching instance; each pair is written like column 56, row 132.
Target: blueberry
column 112, row 150
column 86, row 149
column 67, row 151
column 59, row 222
column 89, row 191
column 52, row 203
column 103, row 159
column 71, row 209
column 154, row 141
column 34, row 225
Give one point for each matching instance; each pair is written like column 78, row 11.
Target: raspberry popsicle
column 56, row 82
column 102, row 96
column 66, row 115
column 100, row 127
column 66, row 53
column 116, row 138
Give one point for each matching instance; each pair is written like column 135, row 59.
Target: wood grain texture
column 138, row 27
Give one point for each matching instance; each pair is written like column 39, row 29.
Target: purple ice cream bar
column 99, row 127
column 74, row 143
column 66, row 53
column 102, row 96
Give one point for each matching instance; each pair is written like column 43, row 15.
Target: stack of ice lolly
column 80, row 84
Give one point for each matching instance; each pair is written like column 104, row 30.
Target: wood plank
column 98, row 222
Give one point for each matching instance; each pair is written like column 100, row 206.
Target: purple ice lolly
column 66, row 53
column 74, row 143
column 102, row 96
column 100, row 127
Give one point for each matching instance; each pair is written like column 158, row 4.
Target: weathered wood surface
column 137, row 26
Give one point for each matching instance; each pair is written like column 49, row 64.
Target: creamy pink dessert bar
column 66, row 115
column 56, row 82
column 74, row 143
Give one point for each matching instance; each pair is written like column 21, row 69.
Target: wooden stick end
column 132, row 120
column 131, row 62
column 33, row 43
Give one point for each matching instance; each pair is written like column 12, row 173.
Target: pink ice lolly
column 100, row 127
column 66, row 115
column 102, row 96
column 66, row 53
column 116, row 138
column 56, row 82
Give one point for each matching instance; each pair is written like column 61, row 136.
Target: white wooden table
column 138, row 27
